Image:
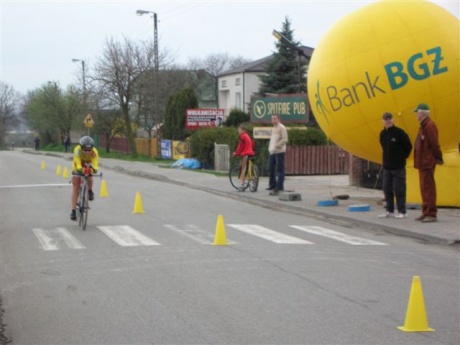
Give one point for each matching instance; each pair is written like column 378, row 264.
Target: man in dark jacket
column 427, row 153
column 396, row 148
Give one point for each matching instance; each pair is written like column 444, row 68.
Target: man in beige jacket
column 277, row 151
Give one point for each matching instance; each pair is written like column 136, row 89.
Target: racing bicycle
column 83, row 198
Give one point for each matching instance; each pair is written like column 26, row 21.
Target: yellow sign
column 266, row 132
column 88, row 122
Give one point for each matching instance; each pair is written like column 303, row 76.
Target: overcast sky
column 39, row 39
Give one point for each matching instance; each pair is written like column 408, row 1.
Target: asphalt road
column 156, row 278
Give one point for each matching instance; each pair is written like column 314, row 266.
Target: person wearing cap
column 427, row 153
column 396, row 148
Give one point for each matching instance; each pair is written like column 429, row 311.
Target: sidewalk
column 312, row 189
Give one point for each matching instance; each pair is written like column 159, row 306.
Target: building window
column 238, row 100
column 224, row 83
column 238, row 81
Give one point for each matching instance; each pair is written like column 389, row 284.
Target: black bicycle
column 251, row 179
column 83, row 199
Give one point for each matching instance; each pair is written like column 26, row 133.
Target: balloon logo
column 391, row 56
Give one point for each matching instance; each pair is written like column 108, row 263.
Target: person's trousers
column 394, row 186
column 276, row 171
column 428, row 192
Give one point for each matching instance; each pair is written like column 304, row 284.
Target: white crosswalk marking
column 195, row 233
column 268, row 234
column 51, row 239
column 335, row 235
column 126, row 236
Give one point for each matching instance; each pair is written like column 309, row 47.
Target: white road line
column 126, row 236
column 50, row 239
column 37, row 185
column 335, row 235
column 195, row 233
column 268, row 234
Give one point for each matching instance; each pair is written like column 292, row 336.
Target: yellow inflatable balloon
column 390, row 56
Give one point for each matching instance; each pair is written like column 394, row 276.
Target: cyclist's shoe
column 241, row 189
column 91, row 195
column 73, row 215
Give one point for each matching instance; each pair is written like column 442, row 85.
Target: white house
column 236, row 86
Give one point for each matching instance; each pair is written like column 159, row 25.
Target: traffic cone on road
column 220, row 238
column 43, row 165
column 65, row 174
column 138, row 204
column 58, row 170
column 103, row 193
column 416, row 320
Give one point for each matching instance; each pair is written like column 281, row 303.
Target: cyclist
column 85, row 161
column 245, row 149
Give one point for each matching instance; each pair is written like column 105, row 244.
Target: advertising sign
column 166, row 151
column 290, row 108
column 197, row 118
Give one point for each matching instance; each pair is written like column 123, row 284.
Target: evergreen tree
column 174, row 122
column 282, row 73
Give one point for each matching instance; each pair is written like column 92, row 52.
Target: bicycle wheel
column 85, row 209
column 253, row 180
column 182, row 147
column 234, row 176
column 80, row 203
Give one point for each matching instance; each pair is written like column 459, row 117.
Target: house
column 236, row 86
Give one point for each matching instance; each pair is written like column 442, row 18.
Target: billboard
column 198, row 118
column 290, row 108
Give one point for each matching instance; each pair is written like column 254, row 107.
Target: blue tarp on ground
column 188, row 163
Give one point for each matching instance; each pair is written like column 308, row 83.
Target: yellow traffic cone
column 103, row 193
column 220, row 239
column 58, row 170
column 65, row 174
column 138, row 204
column 43, row 165
column 416, row 320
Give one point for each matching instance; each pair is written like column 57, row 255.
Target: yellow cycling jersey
column 80, row 157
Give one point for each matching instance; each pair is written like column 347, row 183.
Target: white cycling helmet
column 86, row 143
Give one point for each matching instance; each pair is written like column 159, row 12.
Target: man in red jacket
column 427, row 153
column 244, row 149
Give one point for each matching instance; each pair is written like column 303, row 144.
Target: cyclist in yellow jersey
column 85, row 161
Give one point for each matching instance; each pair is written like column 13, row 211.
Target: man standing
column 396, row 147
column 277, row 151
column 427, row 153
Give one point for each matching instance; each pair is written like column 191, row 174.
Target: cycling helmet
column 86, row 143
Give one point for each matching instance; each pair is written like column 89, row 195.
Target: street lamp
column 155, row 59
column 84, row 85
column 280, row 37
column 83, row 74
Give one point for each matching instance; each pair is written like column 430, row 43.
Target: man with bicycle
column 85, row 162
column 245, row 149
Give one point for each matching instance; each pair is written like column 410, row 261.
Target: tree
column 236, row 117
column 284, row 69
column 174, row 123
column 117, row 72
column 214, row 64
column 9, row 109
column 51, row 111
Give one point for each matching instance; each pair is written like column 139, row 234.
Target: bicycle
column 83, row 198
column 251, row 180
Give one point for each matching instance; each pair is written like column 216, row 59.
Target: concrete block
column 289, row 196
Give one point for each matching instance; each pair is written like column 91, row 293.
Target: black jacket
column 396, row 147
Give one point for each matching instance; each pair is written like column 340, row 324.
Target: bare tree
column 116, row 74
column 214, row 64
column 9, row 109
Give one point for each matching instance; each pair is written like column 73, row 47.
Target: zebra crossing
column 60, row 238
